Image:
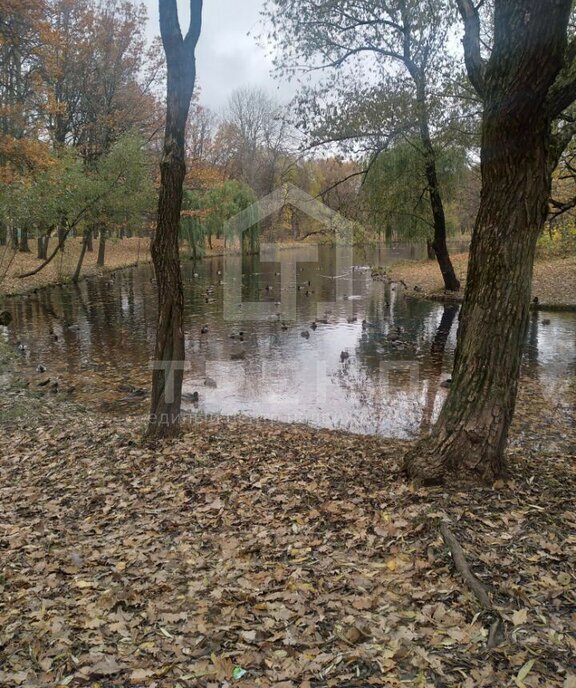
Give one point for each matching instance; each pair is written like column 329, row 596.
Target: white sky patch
column 227, row 57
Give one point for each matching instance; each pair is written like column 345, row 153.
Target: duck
column 344, row 356
column 305, row 334
column 194, row 397
column 209, row 382
column 40, row 368
column 284, row 326
column 204, row 329
column 546, row 321
column 313, row 326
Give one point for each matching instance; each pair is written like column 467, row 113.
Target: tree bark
column 24, row 246
column 101, row 247
column 87, row 234
column 62, row 232
column 42, row 245
column 439, row 245
column 14, row 238
column 169, row 350
column 469, row 439
column 88, row 238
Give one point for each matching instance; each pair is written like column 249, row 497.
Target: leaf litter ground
column 254, row 553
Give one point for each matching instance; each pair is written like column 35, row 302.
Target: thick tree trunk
column 101, row 247
column 169, row 350
column 469, row 439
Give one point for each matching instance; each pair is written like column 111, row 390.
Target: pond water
column 381, row 376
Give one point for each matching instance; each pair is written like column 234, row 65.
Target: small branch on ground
column 462, row 566
column 496, row 634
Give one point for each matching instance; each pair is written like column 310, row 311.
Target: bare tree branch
column 563, row 92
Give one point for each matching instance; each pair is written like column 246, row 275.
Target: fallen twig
column 496, row 635
column 462, row 566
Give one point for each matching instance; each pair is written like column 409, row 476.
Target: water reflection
column 336, row 350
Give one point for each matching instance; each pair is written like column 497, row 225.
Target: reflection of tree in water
column 437, row 353
column 394, row 390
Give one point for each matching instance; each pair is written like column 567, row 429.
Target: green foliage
column 558, row 240
column 396, row 193
column 206, row 213
column 120, row 189
column 115, row 192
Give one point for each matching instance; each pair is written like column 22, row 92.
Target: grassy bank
column 554, row 280
column 266, row 554
column 119, row 254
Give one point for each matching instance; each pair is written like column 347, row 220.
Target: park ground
column 554, row 281
column 253, row 553
column 120, row 253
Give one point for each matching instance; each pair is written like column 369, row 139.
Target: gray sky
column 226, row 57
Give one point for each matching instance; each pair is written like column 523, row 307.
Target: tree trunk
column 439, row 245
column 62, row 232
column 469, row 439
column 14, row 238
column 430, row 250
column 88, row 238
column 87, row 234
column 3, row 234
column 101, row 247
column 24, row 246
column 42, row 245
column 169, row 350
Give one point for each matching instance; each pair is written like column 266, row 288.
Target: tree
column 395, row 190
column 526, row 82
column 401, row 44
column 254, row 132
column 169, row 351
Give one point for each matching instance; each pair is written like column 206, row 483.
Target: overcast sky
column 226, row 57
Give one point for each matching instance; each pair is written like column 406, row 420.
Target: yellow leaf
column 524, row 671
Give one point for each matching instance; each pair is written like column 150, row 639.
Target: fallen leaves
column 262, row 554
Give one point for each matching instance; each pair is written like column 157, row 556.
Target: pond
column 375, row 360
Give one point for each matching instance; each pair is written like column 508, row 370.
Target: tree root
column 496, row 634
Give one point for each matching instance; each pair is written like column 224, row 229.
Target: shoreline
column 421, row 277
column 423, row 281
